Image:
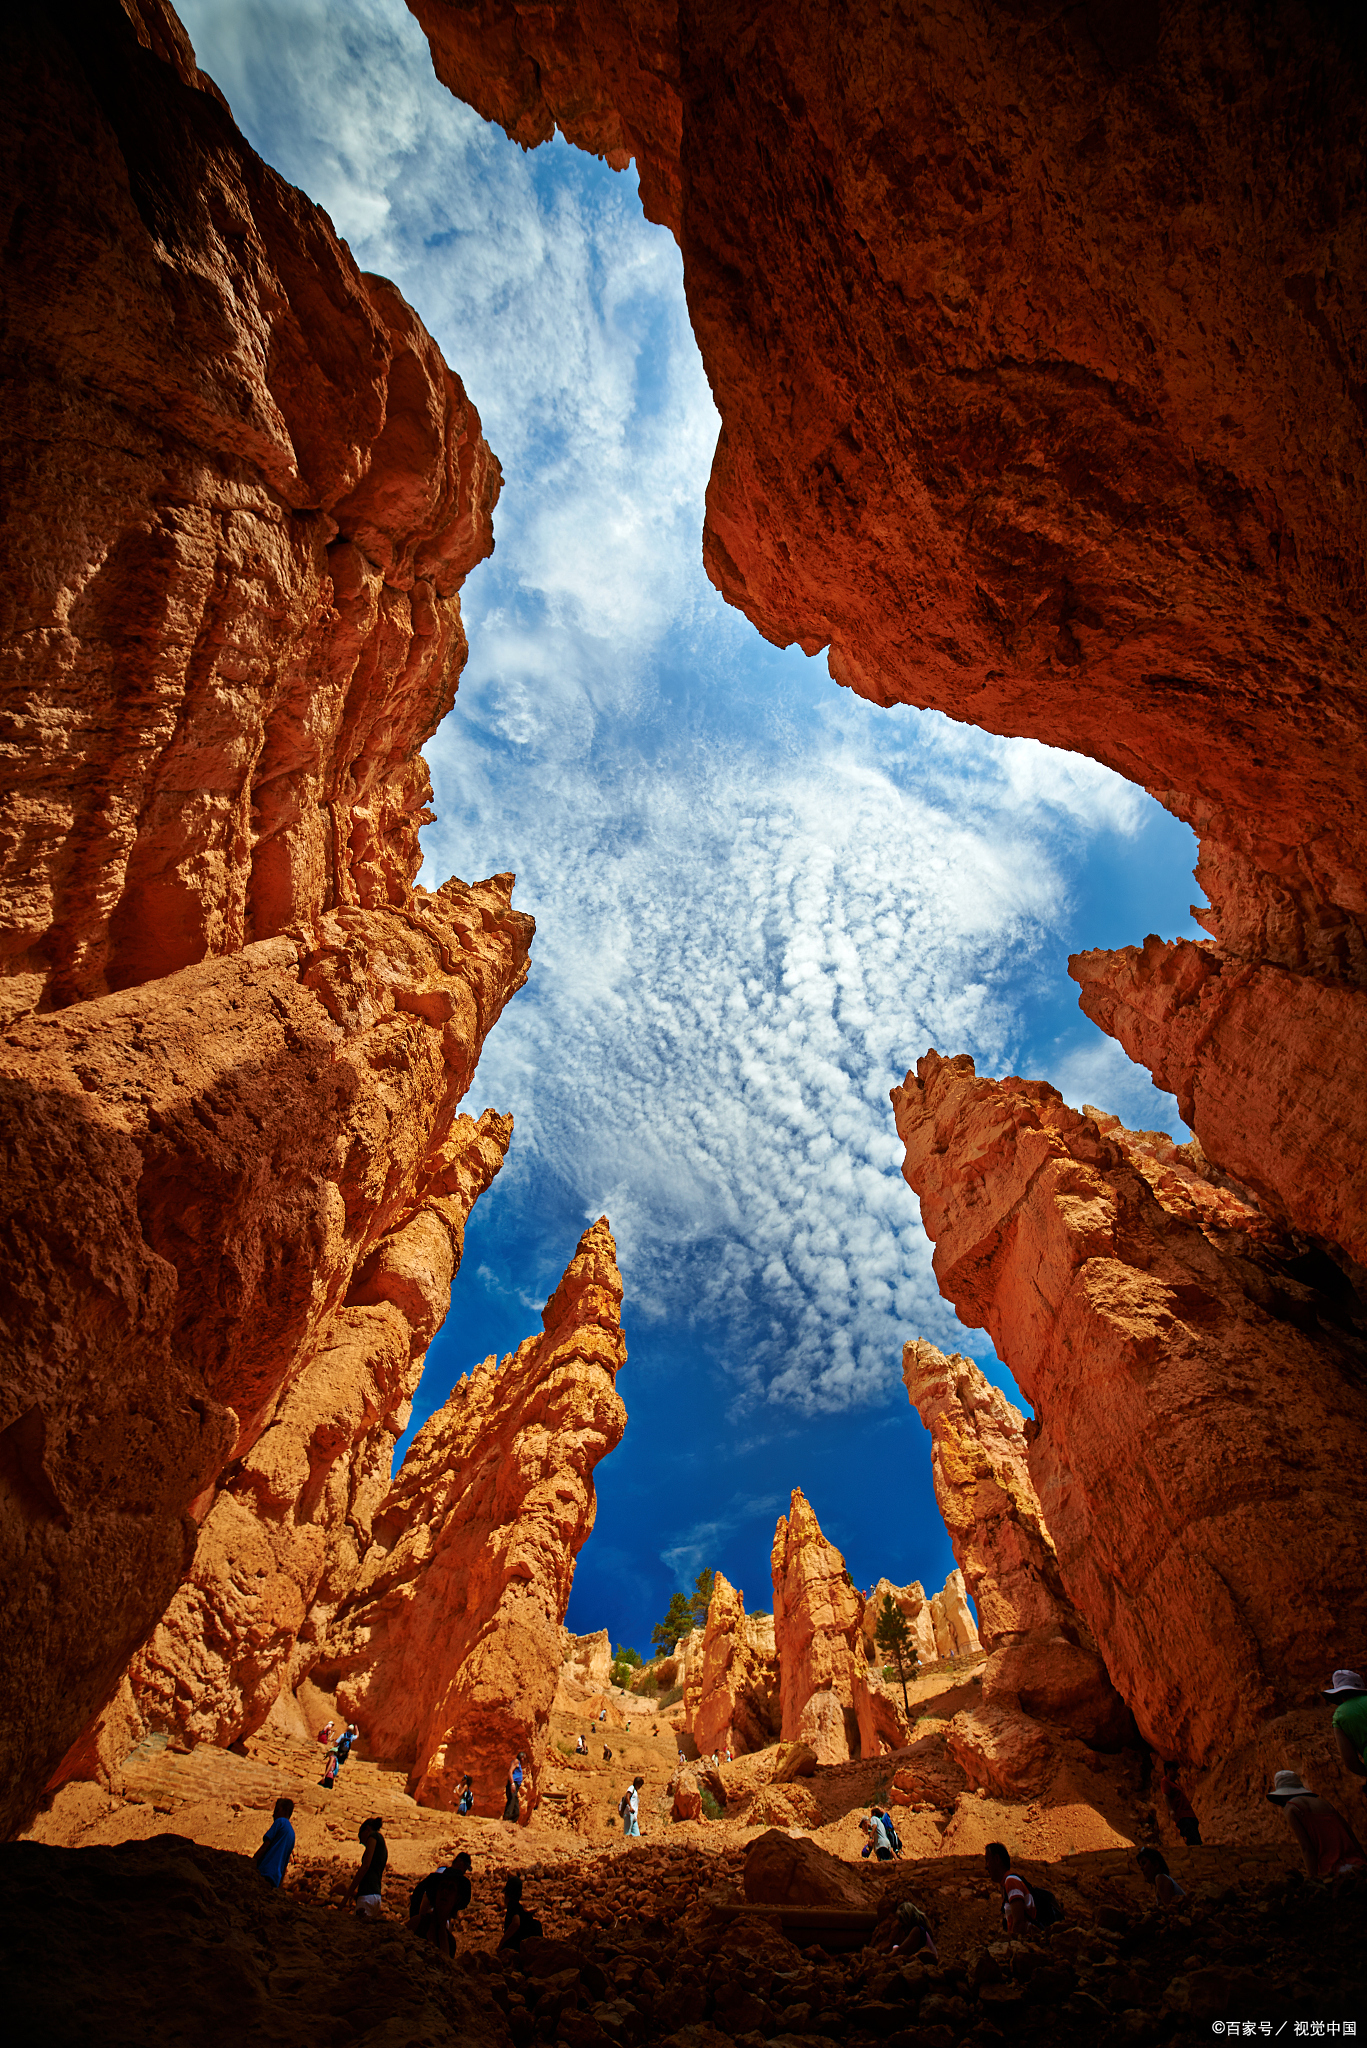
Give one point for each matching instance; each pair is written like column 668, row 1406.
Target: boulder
column 687, row 1797
column 793, row 1760
column 999, row 1750
column 792, row 1870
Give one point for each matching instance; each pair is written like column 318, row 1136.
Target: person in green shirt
column 1348, row 1697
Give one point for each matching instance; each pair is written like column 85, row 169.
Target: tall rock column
column 241, row 492
column 1043, row 1654
column 1201, row 1450
column 448, row 1651
column 738, row 1706
column 827, row 1697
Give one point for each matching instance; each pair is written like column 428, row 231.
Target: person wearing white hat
column 1326, row 1841
column 1348, row 1697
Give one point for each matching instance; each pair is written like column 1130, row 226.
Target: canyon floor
column 135, row 1916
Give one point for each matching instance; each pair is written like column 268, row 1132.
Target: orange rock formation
column 737, row 1705
column 1044, row 1660
column 448, row 1651
column 942, row 1626
column 1003, row 324
column 1198, row 1454
column 242, row 491
column 828, row 1695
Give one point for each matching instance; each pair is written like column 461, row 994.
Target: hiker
column 903, row 1929
column 345, row 1744
column 512, row 1805
column 366, row 1886
column 435, row 1901
column 581, row 1748
column 607, row 1754
column 467, row 1795
column 1326, row 1841
column 325, row 1732
column 277, row 1845
column 1180, row 1807
column 602, row 1713
column 1166, row 1889
column 878, row 1844
column 329, row 1777
column 629, row 1806
column 518, row 1923
column 1348, row 1697
column 1018, row 1902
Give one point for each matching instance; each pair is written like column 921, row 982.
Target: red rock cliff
column 241, row 490
column 448, row 1652
column 1040, row 343
column 1202, row 1423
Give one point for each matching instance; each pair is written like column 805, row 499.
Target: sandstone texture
column 1268, row 1063
column 956, row 1632
column 448, row 1651
column 585, row 1668
column 941, row 1626
column 737, row 1705
column 828, row 1696
column 239, row 491
column 1039, row 344
column 1201, row 1416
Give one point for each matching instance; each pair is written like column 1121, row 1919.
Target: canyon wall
column 1200, row 1396
column 239, row 491
column 956, row 1632
column 828, row 1697
column 737, row 1705
column 1039, row 341
column 448, row 1651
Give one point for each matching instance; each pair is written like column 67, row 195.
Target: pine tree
column 702, row 1598
column 677, row 1622
column 892, row 1633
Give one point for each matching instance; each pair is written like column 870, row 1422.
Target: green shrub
column 710, row 1806
column 672, row 1697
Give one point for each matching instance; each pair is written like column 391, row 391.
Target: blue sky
column 758, row 898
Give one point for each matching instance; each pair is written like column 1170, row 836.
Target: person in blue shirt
column 277, row 1845
column 878, row 1844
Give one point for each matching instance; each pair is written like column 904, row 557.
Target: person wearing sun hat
column 1347, row 1695
column 1326, row 1841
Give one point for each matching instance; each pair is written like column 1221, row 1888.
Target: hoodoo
column 242, row 490
column 1201, row 1437
column 737, row 1688
column 829, row 1697
column 449, row 1649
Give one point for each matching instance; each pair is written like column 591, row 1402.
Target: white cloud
column 759, row 900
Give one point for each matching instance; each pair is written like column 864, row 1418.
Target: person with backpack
column 467, row 1795
column 346, row 1742
column 329, row 1777
column 894, row 1839
column 1023, row 1910
column 629, row 1806
column 878, row 1844
column 277, row 1845
column 435, row 1901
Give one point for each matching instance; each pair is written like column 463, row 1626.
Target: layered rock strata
column 448, row 1651
column 828, row 1697
column 1201, row 1405
column 240, row 492
column 1002, row 322
column 738, row 1706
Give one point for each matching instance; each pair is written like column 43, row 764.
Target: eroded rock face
column 829, row 1698
column 998, row 320
column 956, row 1632
column 1268, row 1064
column 1199, row 1457
column 282, row 1545
column 448, row 1651
column 738, row 1706
column 241, row 490
column 984, row 1491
